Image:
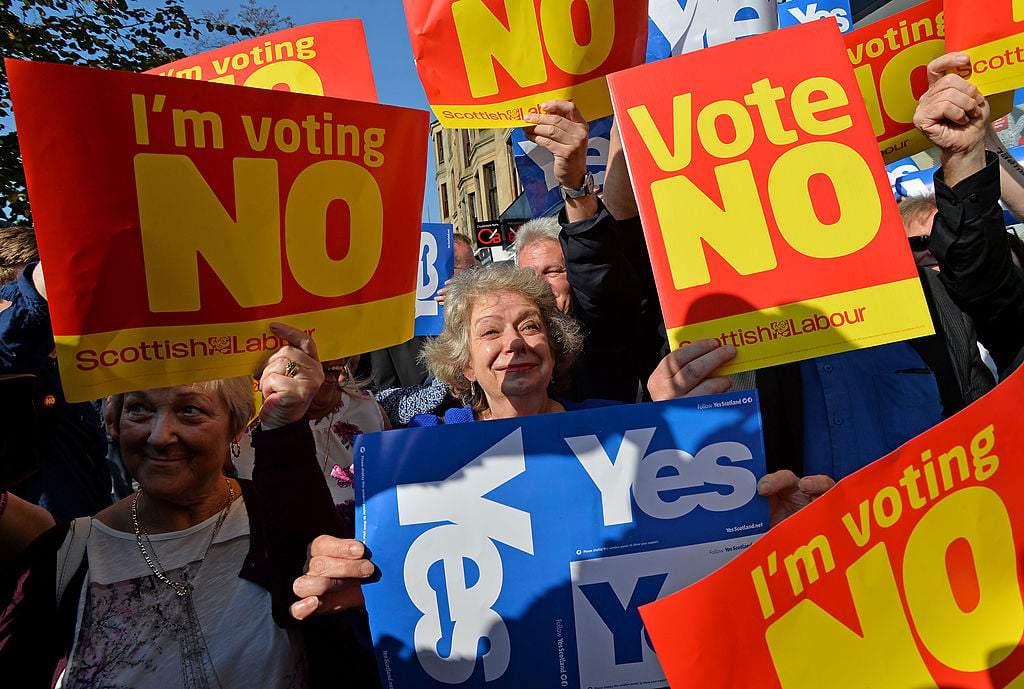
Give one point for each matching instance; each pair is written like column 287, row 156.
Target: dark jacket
column 970, row 242
column 615, row 300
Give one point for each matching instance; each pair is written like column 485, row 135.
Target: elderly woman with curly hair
column 506, row 350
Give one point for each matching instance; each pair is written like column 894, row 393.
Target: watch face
column 585, row 189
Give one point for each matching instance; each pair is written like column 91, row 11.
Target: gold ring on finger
column 291, row 368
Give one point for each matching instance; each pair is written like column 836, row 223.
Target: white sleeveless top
column 134, row 631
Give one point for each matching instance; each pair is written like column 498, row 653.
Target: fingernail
column 305, row 607
column 764, row 485
column 731, row 349
column 531, row 117
column 365, row 569
column 355, row 549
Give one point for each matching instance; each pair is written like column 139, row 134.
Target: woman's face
column 509, row 353
column 175, row 440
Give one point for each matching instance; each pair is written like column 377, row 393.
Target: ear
column 108, row 418
column 469, row 373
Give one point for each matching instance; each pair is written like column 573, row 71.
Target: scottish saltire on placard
column 536, row 166
column 516, row 553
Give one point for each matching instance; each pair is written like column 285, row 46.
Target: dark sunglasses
column 919, row 242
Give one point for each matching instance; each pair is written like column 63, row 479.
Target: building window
column 439, row 145
column 516, row 188
column 471, row 203
column 491, row 191
column 444, row 201
column 466, row 149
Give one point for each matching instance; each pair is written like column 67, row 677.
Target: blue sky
column 390, row 53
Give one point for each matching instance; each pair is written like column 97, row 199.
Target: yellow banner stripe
column 101, row 364
column 1005, row 76
column 591, row 98
column 793, row 332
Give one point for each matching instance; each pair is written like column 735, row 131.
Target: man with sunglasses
column 917, row 213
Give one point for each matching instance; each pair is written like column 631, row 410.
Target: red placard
column 890, row 58
column 325, row 59
column 177, row 218
column 906, row 575
column 484, row 63
column 767, row 210
column 993, row 35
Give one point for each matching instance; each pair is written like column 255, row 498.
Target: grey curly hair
column 447, row 355
column 536, row 230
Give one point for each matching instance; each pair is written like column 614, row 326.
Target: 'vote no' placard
column 767, row 209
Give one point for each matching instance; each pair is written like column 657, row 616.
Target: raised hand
column 563, row 131
column 289, row 379
column 954, row 115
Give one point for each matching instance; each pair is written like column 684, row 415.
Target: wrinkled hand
column 286, row 398
column 334, row 576
column 564, row 132
column 686, row 372
column 787, row 494
column 952, row 113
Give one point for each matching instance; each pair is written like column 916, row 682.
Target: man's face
column 545, row 259
column 464, row 258
column 919, row 229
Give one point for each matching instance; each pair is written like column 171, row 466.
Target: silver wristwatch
column 586, row 189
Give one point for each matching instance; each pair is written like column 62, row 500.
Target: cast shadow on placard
column 533, row 632
column 800, row 320
column 999, row 674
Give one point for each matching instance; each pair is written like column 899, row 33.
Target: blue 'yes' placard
column 437, row 261
column 682, row 26
column 796, row 12
column 516, row 553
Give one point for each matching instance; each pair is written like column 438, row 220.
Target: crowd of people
column 228, row 557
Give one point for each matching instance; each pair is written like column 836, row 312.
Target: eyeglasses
column 919, row 242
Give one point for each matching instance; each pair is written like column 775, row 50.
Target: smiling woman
column 194, row 568
column 506, row 347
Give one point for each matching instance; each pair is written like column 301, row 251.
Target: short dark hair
column 17, row 247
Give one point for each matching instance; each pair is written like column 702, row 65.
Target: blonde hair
column 448, row 355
